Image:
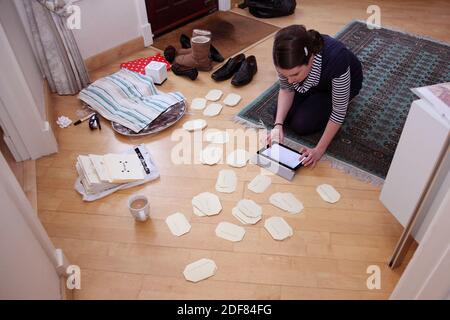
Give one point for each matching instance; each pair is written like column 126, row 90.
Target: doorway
column 165, row 15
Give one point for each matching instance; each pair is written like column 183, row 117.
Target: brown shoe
column 214, row 54
column 199, row 57
column 170, row 53
column 189, row 72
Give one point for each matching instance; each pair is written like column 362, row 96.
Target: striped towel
column 128, row 98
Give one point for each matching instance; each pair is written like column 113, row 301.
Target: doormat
column 393, row 62
column 231, row 32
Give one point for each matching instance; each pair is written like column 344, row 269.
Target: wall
column 106, row 24
column 18, row 39
column 26, row 270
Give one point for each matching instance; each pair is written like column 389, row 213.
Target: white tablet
column 283, row 155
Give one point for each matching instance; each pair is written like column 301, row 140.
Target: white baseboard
column 224, row 5
column 147, row 34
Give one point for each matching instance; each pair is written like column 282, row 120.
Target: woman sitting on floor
column 318, row 78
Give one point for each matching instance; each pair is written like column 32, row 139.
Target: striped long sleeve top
column 336, row 70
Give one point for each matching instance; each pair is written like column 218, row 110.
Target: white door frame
column 26, row 133
column 144, row 25
column 24, row 242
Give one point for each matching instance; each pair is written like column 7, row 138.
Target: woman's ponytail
column 294, row 45
column 316, row 41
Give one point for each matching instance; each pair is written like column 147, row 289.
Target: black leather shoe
column 214, row 54
column 185, row 41
column 245, row 73
column 170, row 53
column 229, row 68
column 189, row 72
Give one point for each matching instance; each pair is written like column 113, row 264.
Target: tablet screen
column 283, row 155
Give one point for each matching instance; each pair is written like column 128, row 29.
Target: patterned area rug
column 393, row 62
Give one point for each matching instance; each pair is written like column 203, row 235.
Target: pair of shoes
column 240, row 68
column 198, row 55
column 214, row 54
column 189, row 72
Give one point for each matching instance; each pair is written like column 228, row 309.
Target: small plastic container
column 157, row 71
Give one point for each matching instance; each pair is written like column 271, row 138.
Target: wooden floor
column 332, row 246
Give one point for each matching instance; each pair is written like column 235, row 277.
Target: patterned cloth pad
column 128, row 98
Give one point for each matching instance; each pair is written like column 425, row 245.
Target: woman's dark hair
column 290, row 43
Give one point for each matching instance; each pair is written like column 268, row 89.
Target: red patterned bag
column 140, row 64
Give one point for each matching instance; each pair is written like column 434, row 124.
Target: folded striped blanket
column 128, row 98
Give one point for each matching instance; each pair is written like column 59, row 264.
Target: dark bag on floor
column 271, row 8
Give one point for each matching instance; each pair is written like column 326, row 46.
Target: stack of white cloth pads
column 129, row 98
column 101, row 175
column 247, row 211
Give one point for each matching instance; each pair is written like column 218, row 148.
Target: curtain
column 57, row 52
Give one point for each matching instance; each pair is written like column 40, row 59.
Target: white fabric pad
column 200, row 270
column 286, row 201
column 295, row 206
column 226, row 181
column 243, row 218
column 259, row 184
column 198, row 213
column 211, row 155
column 277, row 200
column 328, row 193
column 237, row 158
column 278, row 228
column 178, row 224
column 232, row 99
column 249, row 208
column 207, row 204
column 212, row 110
column 198, row 104
column 214, row 95
column 230, row 232
column 193, row 125
column 219, row 137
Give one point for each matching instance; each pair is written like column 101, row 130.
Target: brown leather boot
column 170, row 52
column 199, row 57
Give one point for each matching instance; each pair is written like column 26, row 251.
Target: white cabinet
column 423, row 141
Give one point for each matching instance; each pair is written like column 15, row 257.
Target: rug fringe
column 354, row 171
column 248, row 124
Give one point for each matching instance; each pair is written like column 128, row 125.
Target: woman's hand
column 276, row 134
column 310, row 156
